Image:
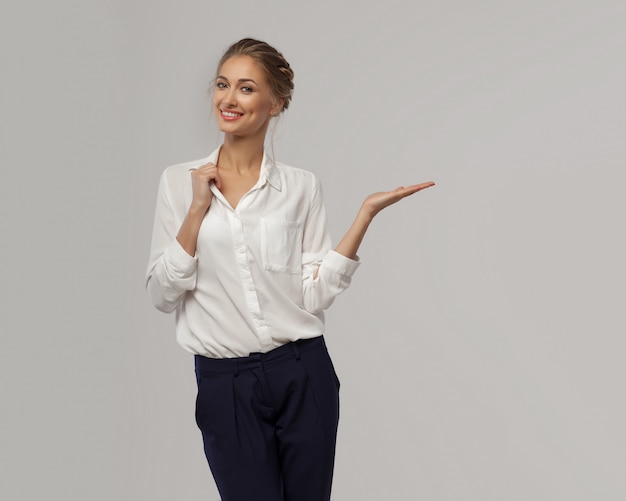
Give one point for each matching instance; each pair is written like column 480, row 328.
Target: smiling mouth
column 230, row 115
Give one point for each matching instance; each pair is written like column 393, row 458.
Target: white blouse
column 250, row 287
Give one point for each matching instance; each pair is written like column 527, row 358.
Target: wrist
column 366, row 214
column 198, row 210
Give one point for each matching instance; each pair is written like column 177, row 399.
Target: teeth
column 230, row 114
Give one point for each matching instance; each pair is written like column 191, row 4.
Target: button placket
column 252, row 300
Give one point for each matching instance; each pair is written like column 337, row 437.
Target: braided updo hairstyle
column 277, row 71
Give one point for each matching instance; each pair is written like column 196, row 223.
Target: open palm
column 376, row 202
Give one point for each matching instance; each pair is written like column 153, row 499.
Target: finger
column 414, row 188
column 217, row 180
column 421, row 186
column 209, row 172
column 204, row 170
column 203, row 166
column 213, row 174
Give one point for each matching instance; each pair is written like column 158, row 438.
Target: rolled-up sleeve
column 325, row 273
column 171, row 271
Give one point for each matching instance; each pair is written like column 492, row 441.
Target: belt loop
column 296, row 351
column 236, row 368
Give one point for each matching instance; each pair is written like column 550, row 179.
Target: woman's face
column 242, row 100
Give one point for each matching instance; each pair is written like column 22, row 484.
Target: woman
column 242, row 252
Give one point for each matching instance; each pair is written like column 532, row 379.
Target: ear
column 277, row 108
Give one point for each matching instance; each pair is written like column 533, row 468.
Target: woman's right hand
column 201, row 178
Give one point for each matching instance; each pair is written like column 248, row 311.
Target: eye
column 220, row 85
column 247, row 90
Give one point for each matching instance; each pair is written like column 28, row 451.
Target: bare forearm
column 188, row 234
column 201, row 179
column 373, row 204
column 351, row 241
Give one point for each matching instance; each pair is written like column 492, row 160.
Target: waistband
column 276, row 356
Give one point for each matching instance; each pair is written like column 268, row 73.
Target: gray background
column 481, row 346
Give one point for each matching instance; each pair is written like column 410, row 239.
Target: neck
column 241, row 153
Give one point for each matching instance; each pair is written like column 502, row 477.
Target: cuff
column 340, row 263
column 179, row 260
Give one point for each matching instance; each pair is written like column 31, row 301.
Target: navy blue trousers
column 269, row 422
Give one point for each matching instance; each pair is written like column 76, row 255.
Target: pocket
column 213, row 401
column 324, row 385
column 281, row 245
column 197, row 411
column 332, row 368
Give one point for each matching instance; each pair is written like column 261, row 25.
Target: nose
column 229, row 97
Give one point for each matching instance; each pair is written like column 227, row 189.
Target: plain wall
column 481, row 345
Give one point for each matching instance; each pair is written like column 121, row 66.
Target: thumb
column 218, row 181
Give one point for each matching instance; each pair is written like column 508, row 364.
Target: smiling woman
column 242, row 253
column 242, row 99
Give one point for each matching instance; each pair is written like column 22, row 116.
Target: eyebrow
column 240, row 80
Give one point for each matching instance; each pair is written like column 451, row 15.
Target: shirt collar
column 269, row 171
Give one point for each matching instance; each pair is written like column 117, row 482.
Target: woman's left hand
column 376, row 202
column 373, row 204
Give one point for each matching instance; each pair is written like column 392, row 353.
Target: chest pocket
column 281, row 245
